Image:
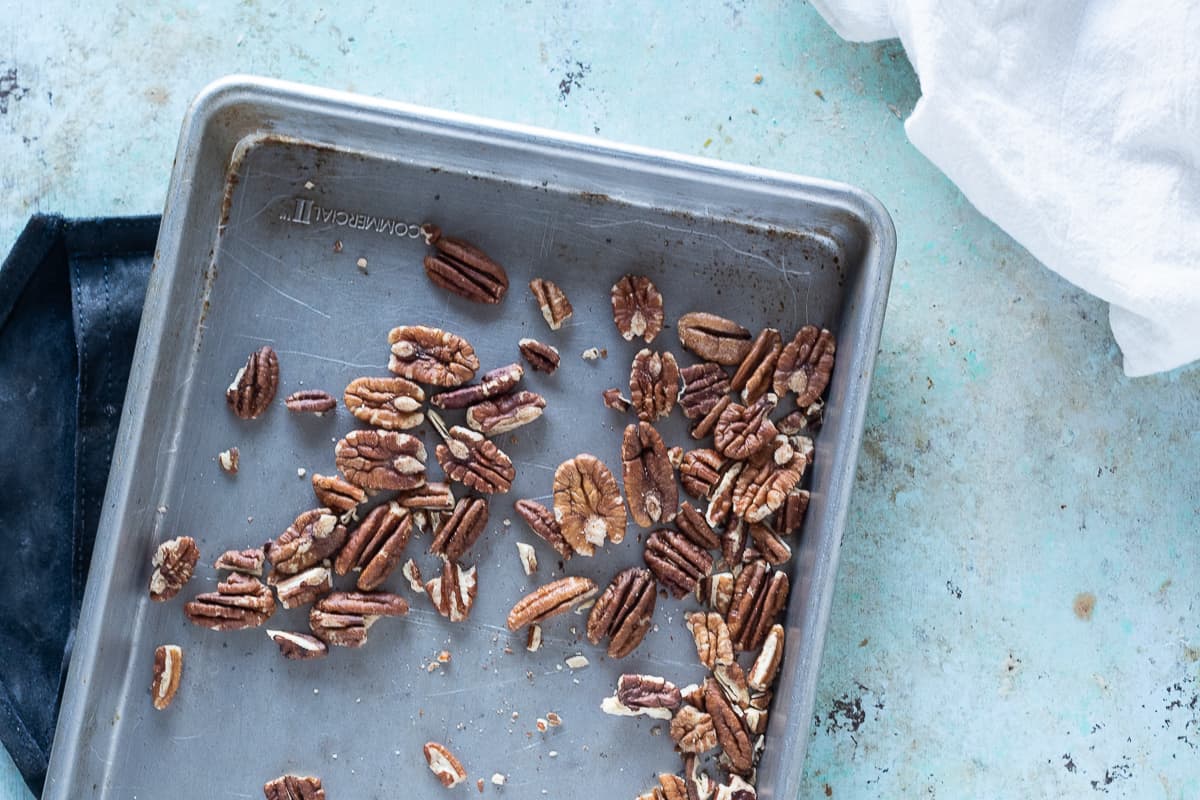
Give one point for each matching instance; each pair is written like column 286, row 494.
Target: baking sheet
column 269, row 177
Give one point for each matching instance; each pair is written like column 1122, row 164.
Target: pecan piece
column 412, row 574
column 587, row 504
column 744, row 430
column 504, row 414
column 653, row 384
column 714, row 338
column 342, row 618
column 733, row 543
column 711, row 635
column 375, row 459
column 310, row 401
column 759, row 595
column 448, row 769
column 541, row 357
column 676, row 561
column 791, row 513
column 766, row 665
column 707, row 423
column 431, row 355
column 336, row 493
column 636, row 691
column 229, row 460
column 770, row 546
column 462, row 268
column 240, row 602
column 650, row 486
column 716, row 591
column 810, row 418
column 168, row 669
column 692, row 730
column 700, row 471
column 495, row 383
column 453, row 592
column 732, row 680
column 553, row 302
column 255, row 384
column 763, row 485
column 805, row 365
column 614, row 400
column 249, row 561
column 294, row 787
column 393, row 404
column 303, row 587
column 312, row 536
column 376, row 545
column 753, row 376
column 721, row 497
column 461, row 529
column 670, row 787
column 550, row 600
column 174, row 562
column 736, row 789
column 731, row 731
column 541, row 521
column 691, row 524
column 436, row 496
column 704, row 385
column 298, row 646
column 699, row 785
column 637, row 308
column 471, row 459
column 623, row 611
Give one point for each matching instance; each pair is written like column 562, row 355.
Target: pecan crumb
column 578, row 661
column 228, row 459
column 168, row 669
column 528, row 557
column 533, row 640
column 448, row 769
column 591, row 354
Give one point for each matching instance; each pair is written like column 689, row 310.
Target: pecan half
column 692, row 730
column 774, row 550
column 714, row 338
column 459, row 531
column 759, row 595
column 711, row 635
column 298, row 646
column 731, row 732
column 336, row 493
column 613, row 399
column 168, row 669
column 637, row 308
column 540, row 356
column 647, row 691
column 706, row 424
column 294, row 787
column 623, row 611
column 653, row 384
column 255, row 384
column 791, row 513
column 763, row 485
column 494, row 383
column 700, row 471
column 376, row 545
column 453, row 592
column 650, row 486
column 436, row 496
column 240, row 602
column 342, row 618
column 303, row 587
column 310, row 401
column 174, row 562
column 448, row 769
column 249, row 561
column 553, row 302
column 504, row 414
column 587, row 504
column 754, row 375
column 675, row 561
column 374, row 459
column 805, row 365
column 766, row 665
column 471, row 459
column 691, row 524
column 716, row 591
column 541, row 521
column 744, row 430
column 550, row 600
column 431, row 355
column 312, row 536
column 704, row 385
column 393, row 404
column 462, row 268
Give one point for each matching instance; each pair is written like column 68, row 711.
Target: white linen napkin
column 1075, row 126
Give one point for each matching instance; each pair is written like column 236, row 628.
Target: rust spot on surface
column 1085, row 603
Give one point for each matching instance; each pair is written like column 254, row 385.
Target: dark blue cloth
column 71, row 296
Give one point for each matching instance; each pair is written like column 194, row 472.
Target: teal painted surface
column 1008, row 465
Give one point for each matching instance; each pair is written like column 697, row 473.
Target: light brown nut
column 711, row 635
column 692, row 730
column 436, row 496
column 791, row 514
column 310, row 401
column 168, row 669
column 756, row 720
column 553, row 302
column 528, row 558
column 770, row 546
column 731, row 731
column 764, row 483
column 714, row 338
column 174, row 562
column 392, row 404
column 623, row 612
column 366, row 604
column 716, row 591
column 650, row 486
column 336, row 493
column 675, row 561
column 228, row 460
column 587, row 504
column 803, row 420
column 541, row 521
column 312, row 536
column 459, row 531
column 339, row 630
column 431, row 355
column 249, row 561
column 495, row 383
column 636, row 691
column 704, row 385
column 700, row 472
column 754, row 375
column 766, row 665
column 733, row 542
column 732, row 680
column 504, row 414
column 240, row 602
column 693, row 695
column 453, row 591
column 759, row 595
column 448, row 769
column 303, row 587
column 744, row 430
column 462, row 268
column 550, row 600
column 294, row 787
column 614, row 400
column 376, row 459
column 412, row 574
column 653, row 384
column 670, row 787
column 467, row 457
column 720, row 502
column 298, row 646
column 675, row 456
column 540, row 356
column 805, row 365
column 708, row 423
column 691, row 524
column 637, row 308
column 255, row 384
column 376, row 545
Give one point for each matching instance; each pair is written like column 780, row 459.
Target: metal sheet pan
column 267, row 178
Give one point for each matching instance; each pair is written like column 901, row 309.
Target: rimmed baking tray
column 278, row 190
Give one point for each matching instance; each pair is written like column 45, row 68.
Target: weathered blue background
column 1009, row 467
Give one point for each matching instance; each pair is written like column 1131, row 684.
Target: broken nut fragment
column 587, row 504
column 614, row 400
column 376, row 545
column 553, row 302
column 653, row 384
column 303, row 587
column 533, row 638
column 168, row 669
column 637, row 308
column 462, row 268
column 650, row 487
column 541, row 357
column 453, row 592
column 459, row 531
column 431, row 355
column 623, row 612
column 692, row 730
column 550, row 600
column 791, row 513
column 336, row 493
column 228, row 460
column 469, row 458
column 298, row 646
column 314, row 535
column 249, row 561
column 495, row 383
column 504, row 414
column 714, row 338
column 379, row 459
column 805, row 365
column 448, row 769
column 294, row 787
column 716, row 591
column 528, row 557
column 766, row 665
column 310, row 401
column 392, row 404
column 754, row 375
column 240, row 602
column 174, row 562
column 255, row 384
column 541, row 521
column 764, row 483
column 436, row 496
column 676, row 561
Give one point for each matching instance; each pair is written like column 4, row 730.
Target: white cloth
column 1075, row 126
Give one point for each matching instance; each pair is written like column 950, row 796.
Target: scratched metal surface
column 1009, row 466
